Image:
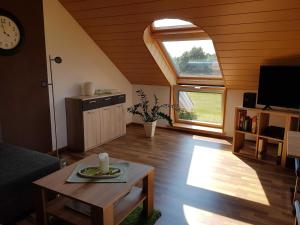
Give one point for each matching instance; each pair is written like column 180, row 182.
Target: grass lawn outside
column 207, row 107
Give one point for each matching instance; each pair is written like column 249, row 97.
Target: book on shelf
column 241, row 118
column 260, row 148
column 279, row 152
column 254, row 125
column 246, row 123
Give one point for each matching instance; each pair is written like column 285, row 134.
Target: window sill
column 199, row 129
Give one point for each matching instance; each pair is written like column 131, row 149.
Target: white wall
column 163, row 94
column 83, row 61
column 235, row 98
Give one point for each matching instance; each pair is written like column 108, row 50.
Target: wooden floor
column 199, row 181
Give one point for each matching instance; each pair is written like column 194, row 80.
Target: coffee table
column 109, row 203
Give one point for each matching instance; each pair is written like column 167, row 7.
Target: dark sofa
column 19, row 167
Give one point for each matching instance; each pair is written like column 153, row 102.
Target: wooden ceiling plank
column 279, row 26
column 96, row 4
column 241, row 72
column 273, row 26
column 242, row 78
column 190, row 8
column 263, row 36
column 256, row 45
column 259, row 52
column 207, row 21
column 167, row 6
column 242, row 66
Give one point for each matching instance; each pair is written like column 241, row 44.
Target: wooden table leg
column 101, row 216
column 296, row 189
column 148, row 189
column 41, row 201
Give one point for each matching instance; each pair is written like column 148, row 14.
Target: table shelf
column 57, row 208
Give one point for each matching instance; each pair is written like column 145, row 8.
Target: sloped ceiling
column 246, row 33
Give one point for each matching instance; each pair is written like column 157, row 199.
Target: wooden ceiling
column 246, row 33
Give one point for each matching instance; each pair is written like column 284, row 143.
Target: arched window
column 190, row 53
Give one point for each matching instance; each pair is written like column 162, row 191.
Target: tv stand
column 267, row 107
column 265, row 147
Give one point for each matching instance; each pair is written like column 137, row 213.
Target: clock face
column 9, row 33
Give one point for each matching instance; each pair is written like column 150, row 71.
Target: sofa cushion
column 19, row 166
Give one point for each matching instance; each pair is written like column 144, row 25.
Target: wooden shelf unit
column 263, row 120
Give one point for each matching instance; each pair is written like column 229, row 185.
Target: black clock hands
column 4, row 30
column 3, row 27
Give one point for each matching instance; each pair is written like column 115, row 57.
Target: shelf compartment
column 294, row 123
column 270, row 138
column 246, row 132
column 270, row 154
column 124, row 207
column 247, row 150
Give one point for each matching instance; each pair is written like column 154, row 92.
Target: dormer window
column 190, row 56
column 189, row 49
column 195, row 58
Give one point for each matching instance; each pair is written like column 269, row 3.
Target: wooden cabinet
column 94, row 121
column 91, row 123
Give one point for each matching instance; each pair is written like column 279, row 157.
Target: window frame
column 198, row 88
column 183, row 34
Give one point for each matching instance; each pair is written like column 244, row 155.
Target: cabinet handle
column 107, row 99
column 90, row 102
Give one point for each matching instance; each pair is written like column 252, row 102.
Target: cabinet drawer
column 90, row 104
column 119, row 99
column 105, row 101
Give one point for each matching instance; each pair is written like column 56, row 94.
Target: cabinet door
column 113, row 123
column 106, row 127
column 119, row 121
column 91, row 120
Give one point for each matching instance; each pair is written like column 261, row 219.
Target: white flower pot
column 89, row 88
column 150, row 128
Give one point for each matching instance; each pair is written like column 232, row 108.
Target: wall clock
column 11, row 33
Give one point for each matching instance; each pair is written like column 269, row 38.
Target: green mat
column 134, row 218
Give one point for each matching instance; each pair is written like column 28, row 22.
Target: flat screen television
column 279, row 86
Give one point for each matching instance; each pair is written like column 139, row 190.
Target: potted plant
column 149, row 114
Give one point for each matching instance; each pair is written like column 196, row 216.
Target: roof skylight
column 171, row 23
